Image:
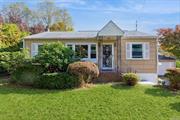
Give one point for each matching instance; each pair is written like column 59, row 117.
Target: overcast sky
column 94, row 14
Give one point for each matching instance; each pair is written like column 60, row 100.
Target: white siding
column 163, row 66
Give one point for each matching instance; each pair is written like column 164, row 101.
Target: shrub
column 86, row 71
column 174, row 77
column 54, row 57
column 178, row 63
column 57, row 81
column 130, row 79
column 9, row 61
column 26, row 74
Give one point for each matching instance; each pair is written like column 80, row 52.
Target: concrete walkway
column 146, row 82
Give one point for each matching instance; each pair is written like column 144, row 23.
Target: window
column 85, row 51
column 137, row 51
column 70, row 46
column 35, row 48
column 93, row 51
column 81, row 51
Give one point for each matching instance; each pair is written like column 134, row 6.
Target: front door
column 108, row 56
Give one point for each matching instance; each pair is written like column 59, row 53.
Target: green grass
column 102, row 102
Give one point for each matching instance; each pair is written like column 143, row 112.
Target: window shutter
column 128, row 50
column 34, row 49
column 146, row 51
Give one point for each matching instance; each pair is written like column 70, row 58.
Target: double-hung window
column 136, row 50
column 93, row 51
column 81, row 51
column 35, row 48
column 87, row 52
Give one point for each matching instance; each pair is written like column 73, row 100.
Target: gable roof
column 110, row 29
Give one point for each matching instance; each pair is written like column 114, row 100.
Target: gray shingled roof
column 62, row 35
column 135, row 33
column 110, row 29
column 82, row 34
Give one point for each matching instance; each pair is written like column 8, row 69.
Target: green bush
column 174, row 77
column 26, row 74
column 9, row 61
column 57, row 81
column 86, row 71
column 130, row 79
column 14, row 48
column 178, row 64
column 55, row 57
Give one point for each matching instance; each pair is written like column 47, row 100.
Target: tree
column 10, row 35
column 169, row 40
column 65, row 24
column 37, row 20
column 37, row 28
column 19, row 14
column 1, row 19
column 49, row 13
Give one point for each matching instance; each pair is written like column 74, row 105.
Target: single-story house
column 114, row 50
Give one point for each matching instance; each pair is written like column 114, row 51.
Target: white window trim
column 36, row 52
column 95, row 60
column 143, row 47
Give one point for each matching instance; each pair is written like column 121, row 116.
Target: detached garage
column 165, row 63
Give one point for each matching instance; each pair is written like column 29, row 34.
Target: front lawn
column 102, row 102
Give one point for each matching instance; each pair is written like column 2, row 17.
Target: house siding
column 121, row 64
column 139, row 66
column 28, row 42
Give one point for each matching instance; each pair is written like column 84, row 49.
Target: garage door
column 163, row 66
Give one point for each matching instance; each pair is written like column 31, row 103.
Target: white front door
column 107, row 56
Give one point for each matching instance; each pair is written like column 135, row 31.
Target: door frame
column 107, row 68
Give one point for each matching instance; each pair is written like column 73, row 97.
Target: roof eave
column 59, row 38
column 152, row 37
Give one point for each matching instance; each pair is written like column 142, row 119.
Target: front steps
column 109, row 76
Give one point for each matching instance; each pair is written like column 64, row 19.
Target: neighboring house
column 165, row 63
column 114, row 50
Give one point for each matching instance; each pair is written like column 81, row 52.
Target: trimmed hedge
column 130, row 79
column 174, row 77
column 26, row 74
column 57, row 81
column 86, row 71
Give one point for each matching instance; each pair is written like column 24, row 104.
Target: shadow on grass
column 121, row 86
column 175, row 106
column 12, row 89
column 161, row 92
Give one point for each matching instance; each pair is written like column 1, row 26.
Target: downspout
column 117, row 54
column 157, row 52
column 23, row 44
column 99, row 39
